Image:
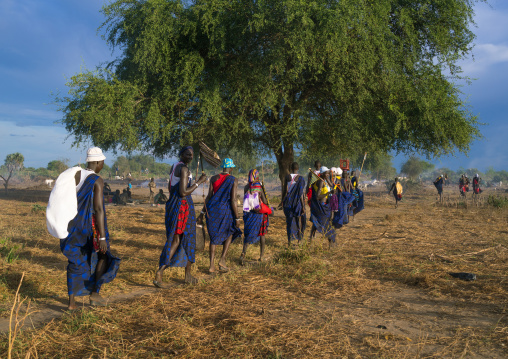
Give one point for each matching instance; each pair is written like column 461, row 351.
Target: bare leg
column 225, row 248
column 261, row 248
column 244, row 253
column 95, row 298
column 174, row 245
column 312, row 233
column 212, row 255
column 72, row 302
column 188, row 277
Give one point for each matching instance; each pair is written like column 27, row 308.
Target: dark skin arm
column 234, row 206
column 98, row 207
column 321, row 196
column 182, row 171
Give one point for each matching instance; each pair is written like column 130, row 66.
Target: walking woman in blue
column 221, row 213
column 91, row 263
column 255, row 215
column 358, row 205
column 293, row 203
column 320, row 212
column 180, row 220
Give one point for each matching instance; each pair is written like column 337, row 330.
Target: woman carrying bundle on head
column 255, row 215
column 293, row 202
column 180, row 220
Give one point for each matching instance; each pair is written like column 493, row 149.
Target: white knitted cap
column 94, row 154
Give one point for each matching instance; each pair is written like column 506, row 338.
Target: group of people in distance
column 463, row 185
column 331, row 194
column 333, row 197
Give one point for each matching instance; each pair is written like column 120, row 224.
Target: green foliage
column 57, row 166
column 37, row 208
column 378, row 164
column 8, row 250
column 497, row 201
column 414, row 166
column 320, row 76
column 13, row 163
column 137, row 164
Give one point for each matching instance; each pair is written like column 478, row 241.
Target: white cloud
column 23, row 115
column 485, row 56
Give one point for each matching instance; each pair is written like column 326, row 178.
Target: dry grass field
column 384, row 292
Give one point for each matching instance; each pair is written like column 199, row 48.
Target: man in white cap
column 86, row 246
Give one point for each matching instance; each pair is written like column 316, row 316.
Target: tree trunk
column 285, row 156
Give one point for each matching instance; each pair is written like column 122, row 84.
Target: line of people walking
column 333, row 198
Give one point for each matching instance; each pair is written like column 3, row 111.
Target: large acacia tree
column 341, row 76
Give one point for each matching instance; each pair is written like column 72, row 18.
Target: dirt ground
column 383, row 291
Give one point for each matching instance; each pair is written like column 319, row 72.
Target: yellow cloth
column 398, row 187
column 324, row 190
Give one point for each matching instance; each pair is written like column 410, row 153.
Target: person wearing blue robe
column 320, row 212
column 357, row 204
column 438, row 183
column 220, row 209
column 180, row 220
column 254, row 221
column 86, row 247
column 340, row 217
column 293, row 203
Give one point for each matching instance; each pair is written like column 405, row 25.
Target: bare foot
column 262, row 258
column 97, row 300
column 242, row 259
column 158, row 280
column 190, row 279
column 222, row 266
column 211, row 270
column 72, row 307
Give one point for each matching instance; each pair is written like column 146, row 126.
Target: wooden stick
column 361, row 169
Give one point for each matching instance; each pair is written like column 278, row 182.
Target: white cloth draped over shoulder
column 63, row 202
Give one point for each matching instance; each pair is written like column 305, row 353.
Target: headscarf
column 185, row 149
column 254, row 177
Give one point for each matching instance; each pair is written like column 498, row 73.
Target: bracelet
column 102, row 239
column 202, row 212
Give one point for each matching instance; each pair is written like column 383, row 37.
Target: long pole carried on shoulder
column 361, row 169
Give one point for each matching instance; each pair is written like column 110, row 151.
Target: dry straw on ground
column 389, row 270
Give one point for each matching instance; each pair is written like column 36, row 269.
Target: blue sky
column 44, row 42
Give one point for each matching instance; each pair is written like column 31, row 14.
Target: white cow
column 49, row 182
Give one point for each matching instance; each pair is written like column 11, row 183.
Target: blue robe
column 358, row 205
column 78, row 246
column 439, row 185
column 321, row 217
column 295, row 224
column 340, row 217
column 252, row 225
column 219, row 214
column 187, row 247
